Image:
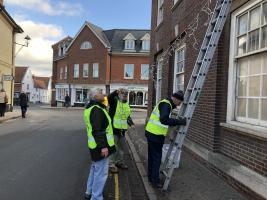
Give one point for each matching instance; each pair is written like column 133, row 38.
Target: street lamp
column 27, row 39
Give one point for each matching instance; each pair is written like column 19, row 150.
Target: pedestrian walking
column 119, row 111
column 156, row 130
column 67, row 100
column 3, row 102
column 100, row 143
column 23, row 102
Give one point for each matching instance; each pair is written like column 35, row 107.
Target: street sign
column 8, row 77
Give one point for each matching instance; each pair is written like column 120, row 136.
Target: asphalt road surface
column 45, row 157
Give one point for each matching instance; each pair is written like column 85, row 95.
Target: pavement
column 10, row 115
column 191, row 181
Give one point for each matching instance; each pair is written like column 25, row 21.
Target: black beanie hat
column 179, row 95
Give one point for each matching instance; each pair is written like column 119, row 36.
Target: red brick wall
column 98, row 54
column 211, row 110
column 117, row 68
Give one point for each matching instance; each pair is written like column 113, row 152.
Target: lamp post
column 27, row 39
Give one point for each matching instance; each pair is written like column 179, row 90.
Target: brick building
column 228, row 132
column 107, row 59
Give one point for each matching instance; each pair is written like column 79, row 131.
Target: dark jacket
column 99, row 124
column 165, row 110
column 23, row 100
column 112, row 101
column 67, row 99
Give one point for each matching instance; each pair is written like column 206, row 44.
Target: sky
column 48, row 21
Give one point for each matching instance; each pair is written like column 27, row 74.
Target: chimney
column 1, row 2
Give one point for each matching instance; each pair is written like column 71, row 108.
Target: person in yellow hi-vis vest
column 100, row 143
column 120, row 112
column 156, row 130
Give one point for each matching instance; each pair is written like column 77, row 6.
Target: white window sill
column 247, row 129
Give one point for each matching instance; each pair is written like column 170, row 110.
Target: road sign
column 8, row 77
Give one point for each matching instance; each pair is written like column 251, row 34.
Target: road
column 45, row 156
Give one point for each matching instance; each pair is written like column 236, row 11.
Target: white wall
column 28, row 85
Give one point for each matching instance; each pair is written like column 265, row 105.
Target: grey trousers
column 118, row 156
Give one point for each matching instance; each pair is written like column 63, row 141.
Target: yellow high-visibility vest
column 154, row 125
column 123, row 111
column 109, row 131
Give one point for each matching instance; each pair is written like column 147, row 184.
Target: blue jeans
column 97, row 179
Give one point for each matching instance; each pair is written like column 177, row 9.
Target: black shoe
column 87, row 196
column 157, row 185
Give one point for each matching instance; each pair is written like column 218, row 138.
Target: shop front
column 137, row 95
column 80, row 94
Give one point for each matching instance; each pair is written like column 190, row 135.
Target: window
column 95, row 70
column 85, row 70
column 61, row 73
column 128, row 71
column 247, row 99
column 146, row 45
column 160, row 11
column 66, row 72
column 82, row 95
column 86, row 45
column 129, row 44
column 144, row 71
column 159, row 79
column 178, row 83
column 76, row 71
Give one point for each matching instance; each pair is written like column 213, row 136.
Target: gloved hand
column 182, row 121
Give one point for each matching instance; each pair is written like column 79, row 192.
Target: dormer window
column 86, row 45
column 129, row 42
column 60, row 50
column 146, row 42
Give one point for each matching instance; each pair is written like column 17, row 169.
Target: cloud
column 38, row 55
column 49, row 8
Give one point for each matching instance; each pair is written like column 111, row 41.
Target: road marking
column 117, row 189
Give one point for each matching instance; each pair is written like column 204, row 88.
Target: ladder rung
column 219, row 7
column 164, row 173
column 209, row 35
column 204, row 48
column 214, row 21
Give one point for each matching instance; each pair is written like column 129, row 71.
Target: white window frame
column 180, row 73
column 129, row 45
column 61, row 73
column 76, row 70
column 160, row 12
column 146, row 45
column 125, row 67
column 232, row 75
column 85, row 69
column 159, row 79
column 66, row 72
column 95, row 70
column 144, row 71
column 86, row 45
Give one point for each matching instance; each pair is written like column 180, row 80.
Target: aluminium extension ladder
column 195, row 85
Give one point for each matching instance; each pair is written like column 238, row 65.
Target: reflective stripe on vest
column 154, row 125
column 123, row 111
column 109, row 131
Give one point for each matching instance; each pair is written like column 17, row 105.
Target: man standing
column 119, row 111
column 23, row 102
column 100, row 143
column 156, row 130
column 67, row 100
